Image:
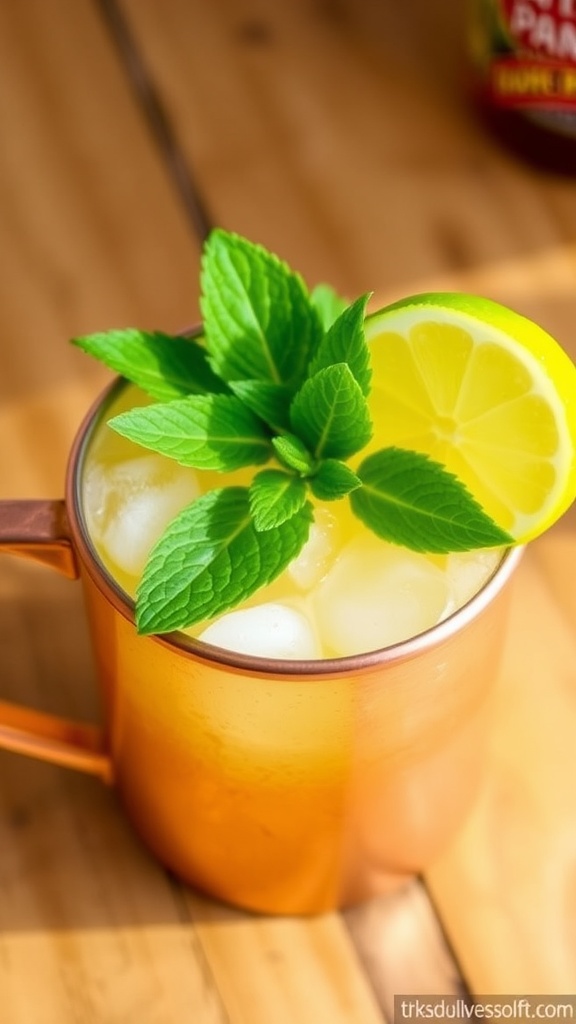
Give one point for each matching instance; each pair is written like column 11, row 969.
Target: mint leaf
column 327, row 303
column 330, row 413
column 165, row 367
column 332, row 480
column 293, row 453
column 205, row 431
column 210, row 558
column 271, row 402
column 258, row 319
column 275, row 496
column 345, row 343
column 409, row 499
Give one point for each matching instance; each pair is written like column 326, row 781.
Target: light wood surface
column 337, row 133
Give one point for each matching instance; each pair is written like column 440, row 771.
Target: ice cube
column 466, row 573
column 378, row 594
column 129, row 505
column 266, row 631
column 315, row 558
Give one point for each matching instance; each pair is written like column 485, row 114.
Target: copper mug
column 279, row 786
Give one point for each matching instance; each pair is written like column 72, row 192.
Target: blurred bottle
column 524, row 64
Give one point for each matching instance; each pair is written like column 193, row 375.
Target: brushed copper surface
column 369, row 763
column 38, row 529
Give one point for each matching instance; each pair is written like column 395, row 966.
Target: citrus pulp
column 484, row 391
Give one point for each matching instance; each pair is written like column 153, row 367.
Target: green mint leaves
column 211, row 557
column 344, row 343
column 278, row 380
column 275, row 497
column 258, row 318
column 330, row 413
column 204, row 431
column 411, row 500
column 164, row 367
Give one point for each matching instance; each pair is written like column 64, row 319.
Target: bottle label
column 529, row 58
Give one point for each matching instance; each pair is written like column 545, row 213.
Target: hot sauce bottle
column 524, row 62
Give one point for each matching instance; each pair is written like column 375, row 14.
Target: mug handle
column 38, row 529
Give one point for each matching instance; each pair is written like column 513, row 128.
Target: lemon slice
column 486, row 392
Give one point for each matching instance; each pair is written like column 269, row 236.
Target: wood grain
column 283, row 969
column 89, row 927
column 339, row 133
column 91, row 233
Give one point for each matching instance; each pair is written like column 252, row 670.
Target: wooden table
column 335, row 132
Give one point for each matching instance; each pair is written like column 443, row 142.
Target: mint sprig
column 280, row 378
column 211, row 557
column 204, row 431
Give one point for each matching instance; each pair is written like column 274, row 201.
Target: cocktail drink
column 346, row 593
column 295, row 530
column 300, row 722
column 277, row 758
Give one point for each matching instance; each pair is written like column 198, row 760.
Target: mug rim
column 191, row 647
